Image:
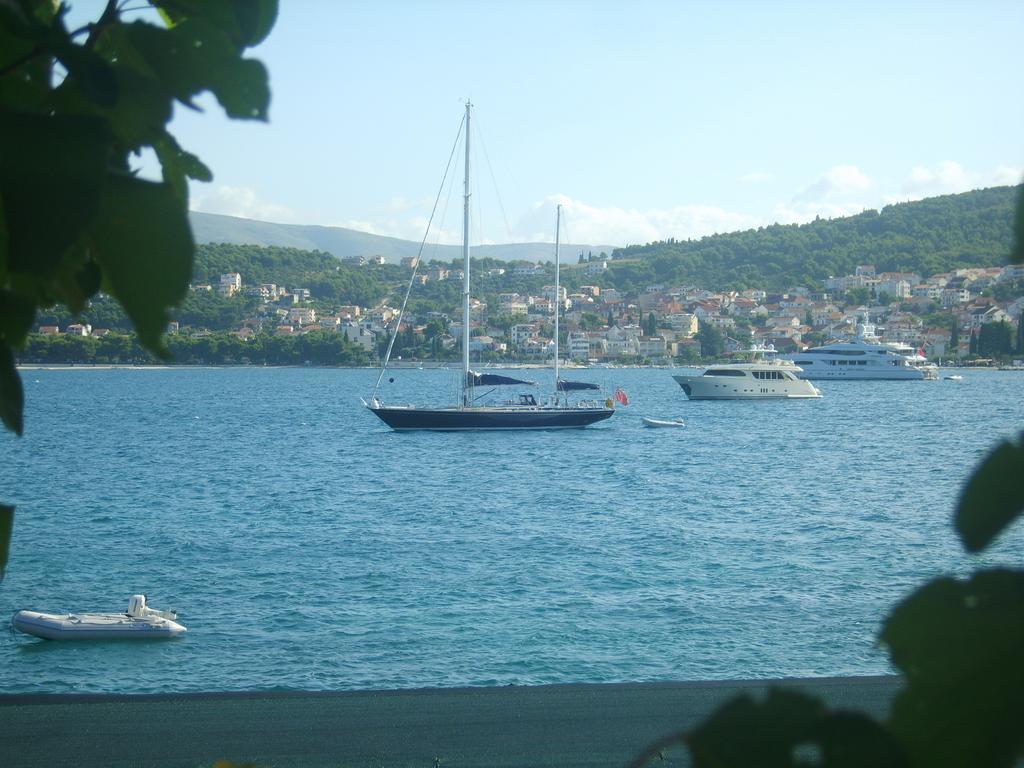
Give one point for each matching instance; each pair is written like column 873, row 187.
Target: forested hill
column 926, row 237
column 320, row 272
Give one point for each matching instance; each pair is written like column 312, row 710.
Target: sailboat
column 556, row 412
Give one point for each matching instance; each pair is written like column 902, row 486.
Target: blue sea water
column 308, row 547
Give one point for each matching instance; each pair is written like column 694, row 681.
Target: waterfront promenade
column 557, row 725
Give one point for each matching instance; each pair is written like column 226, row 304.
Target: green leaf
column 12, row 398
column 6, row 526
column 178, row 165
column 745, row 732
column 246, row 22
column 24, row 57
column 144, row 246
column 89, row 72
column 853, row 740
column 88, row 279
column 959, row 646
column 76, row 280
column 790, row 729
column 241, row 86
column 142, row 110
column 194, row 56
column 255, row 20
column 51, row 169
column 17, row 38
column 16, row 315
column 993, row 497
column 168, row 56
column 3, row 243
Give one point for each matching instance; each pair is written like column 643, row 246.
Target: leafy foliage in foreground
column 926, row 237
column 75, row 107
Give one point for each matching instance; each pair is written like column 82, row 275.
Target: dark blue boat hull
column 455, row 419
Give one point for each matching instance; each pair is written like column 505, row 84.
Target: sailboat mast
column 466, row 387
column 558, row 228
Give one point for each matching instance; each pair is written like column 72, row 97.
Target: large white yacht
column 765, row 378
column 865, row 356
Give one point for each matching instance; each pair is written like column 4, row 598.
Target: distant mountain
column 343, row 243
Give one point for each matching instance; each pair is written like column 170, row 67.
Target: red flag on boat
column 620, row 395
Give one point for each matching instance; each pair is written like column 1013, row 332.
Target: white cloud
column 411, row 228
column 1006, row 176
column 404, row 204
column 589, row 224
column 949, row 178
column 244, row 203
column 581, row 224
column 837, row 181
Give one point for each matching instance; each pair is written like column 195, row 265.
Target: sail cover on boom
column 475, row 379
column 574, row 386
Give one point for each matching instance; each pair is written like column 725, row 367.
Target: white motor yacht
column 865, row 356
column 765, row 378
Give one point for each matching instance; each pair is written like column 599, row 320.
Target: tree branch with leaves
column 77, row 108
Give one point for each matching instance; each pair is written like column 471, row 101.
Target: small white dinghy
column 649, row 422
column 139, row 622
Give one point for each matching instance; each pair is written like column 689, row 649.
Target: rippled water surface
column 308, row 547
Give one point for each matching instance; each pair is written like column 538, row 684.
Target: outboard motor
column 138, row 609
column 137, row 606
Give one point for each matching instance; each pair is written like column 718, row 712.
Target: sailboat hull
column 483, row 418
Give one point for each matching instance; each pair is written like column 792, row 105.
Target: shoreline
column 429, row 366
column 576, row 724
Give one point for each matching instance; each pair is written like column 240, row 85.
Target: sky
column 645, row 120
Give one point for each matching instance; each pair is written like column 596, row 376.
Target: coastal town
column 946, row 316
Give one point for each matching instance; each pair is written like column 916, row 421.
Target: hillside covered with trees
column 972, row 229
column 325, row 276
column 929, row 236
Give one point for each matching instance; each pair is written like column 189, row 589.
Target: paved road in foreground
column 558, row 725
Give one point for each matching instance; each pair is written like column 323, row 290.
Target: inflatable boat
column 649, row 422
column 139, row 622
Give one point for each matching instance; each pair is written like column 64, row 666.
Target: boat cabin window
column 804, row 362
column 723, row 372
column 527, row 400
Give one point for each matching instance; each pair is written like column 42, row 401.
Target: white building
column 683, row 323
column 548, row 292
column 520, row 333
column 651, row 346
column 230, row 284
column 358, row 335
column 579, row 345
column 302, row 315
